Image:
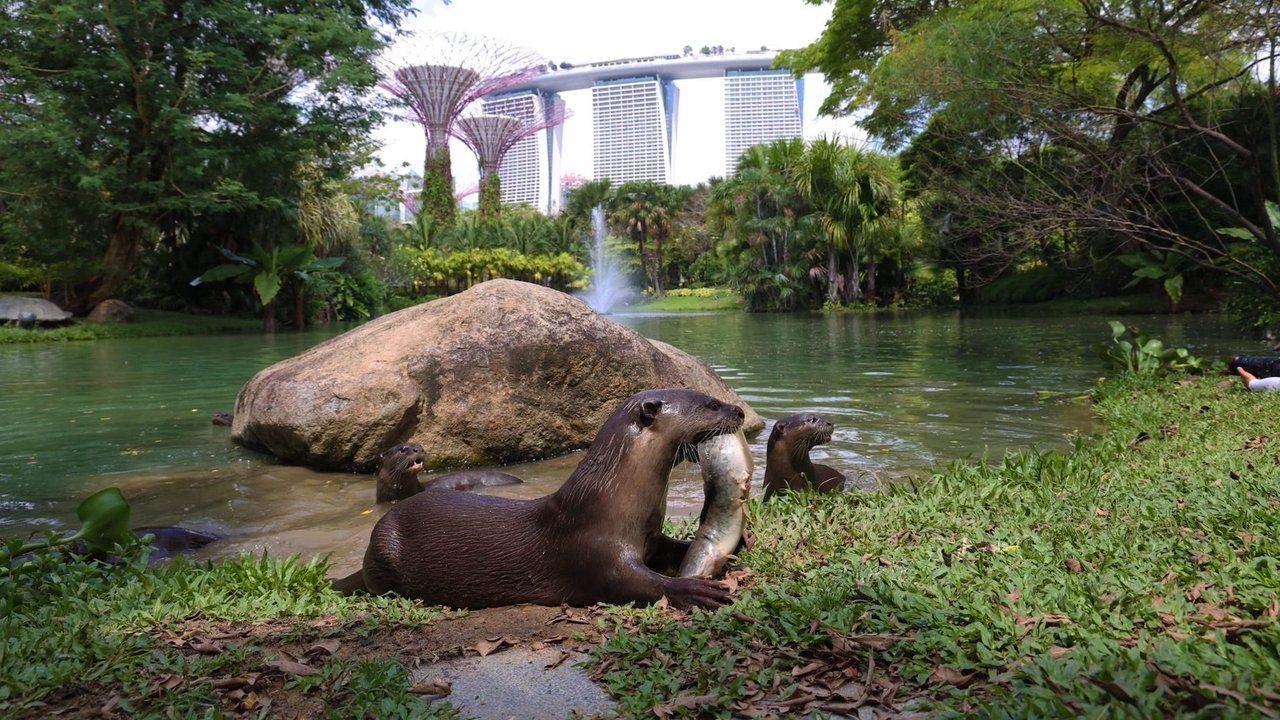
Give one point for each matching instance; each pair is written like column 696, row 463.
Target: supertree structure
column 435, row 78
column 491, row 136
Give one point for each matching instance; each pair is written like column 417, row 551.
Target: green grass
column 78, row 625
column 149, row 323
column 1136, row 576
column 699, row 300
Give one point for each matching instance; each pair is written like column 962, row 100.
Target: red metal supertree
column 434, row 78
column 490, row 137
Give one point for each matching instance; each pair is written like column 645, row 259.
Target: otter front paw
column 687, row 593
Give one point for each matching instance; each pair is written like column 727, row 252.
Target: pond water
column 905, row 391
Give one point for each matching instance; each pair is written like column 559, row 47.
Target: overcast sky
column 580, row 31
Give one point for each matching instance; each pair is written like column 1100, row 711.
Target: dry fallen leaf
column 667, row 708
column 487, row 647
column 436, row 686
column 1074, row 565
column 949, row 676
column 324, row 647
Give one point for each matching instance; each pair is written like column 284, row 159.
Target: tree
column 848, row 189
column 645, row 211
column 853, row 40
column 1103, row 129
column 267, row 269
column 129, row 125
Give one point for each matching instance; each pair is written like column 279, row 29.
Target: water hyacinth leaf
column 104, row 519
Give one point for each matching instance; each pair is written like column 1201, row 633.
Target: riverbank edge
column 162, row 323
column 1134, row 574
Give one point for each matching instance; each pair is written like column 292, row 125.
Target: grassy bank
column 693, row 300
column 148, row 323
column 1137, row 575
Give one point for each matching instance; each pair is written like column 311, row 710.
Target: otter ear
column 649, row 410
column 779, row 426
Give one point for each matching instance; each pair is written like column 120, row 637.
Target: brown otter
column 596, row 539
column 398, row 472
column 400, row 465
column 787, row 464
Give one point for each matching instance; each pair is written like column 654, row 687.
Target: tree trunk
column 831, row 276
column 269, row 318
column 299, row 307
column 117, row 264
column 872, row 268
column 855, row 278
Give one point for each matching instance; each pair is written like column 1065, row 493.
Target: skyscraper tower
column 526, row 168
column 760, row 106
column 668, row 118
column 632, row 123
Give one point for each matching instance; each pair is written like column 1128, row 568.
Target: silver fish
column 726, row 480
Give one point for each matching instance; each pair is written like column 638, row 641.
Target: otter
column 1260, row 366
column 787, row 465
column 398, row 470
column 598, row 539
column 168, row 541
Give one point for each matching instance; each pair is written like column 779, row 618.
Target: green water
column 905, row 391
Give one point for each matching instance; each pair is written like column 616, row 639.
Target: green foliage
column 1123, row 578
column 149, row 323
column 490, row 200
column 438, row 202
column 357, row 296
column 20, row 276
column 1025, row 286
column 433, row 268
column 1131, row 351
column 1162, row 266
column 134, row 129
column 105, row 615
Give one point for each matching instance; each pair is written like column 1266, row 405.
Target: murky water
column 905, row 391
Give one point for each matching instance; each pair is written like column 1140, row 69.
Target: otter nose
column 738, row 411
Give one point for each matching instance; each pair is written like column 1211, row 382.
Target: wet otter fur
column 596, row 539
column 400, row 465
column 787, row 463
column 398, row 469
column 1260, row 366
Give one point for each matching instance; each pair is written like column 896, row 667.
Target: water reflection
column 905, row 391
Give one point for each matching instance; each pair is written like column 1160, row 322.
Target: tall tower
column 434, row 81
column 760, row 105
column 526, row 168
column 632, row 119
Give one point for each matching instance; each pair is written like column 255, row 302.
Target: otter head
column 801, row 432
column 686, row 417
column 398, row 472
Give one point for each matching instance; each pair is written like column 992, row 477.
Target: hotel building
column 673, row 119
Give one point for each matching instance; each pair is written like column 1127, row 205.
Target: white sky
column 581, row 31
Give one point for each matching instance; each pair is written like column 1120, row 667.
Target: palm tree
column 644, row 210
column 847, row 188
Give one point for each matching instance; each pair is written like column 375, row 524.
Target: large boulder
column 504, row 372
column 112, row 311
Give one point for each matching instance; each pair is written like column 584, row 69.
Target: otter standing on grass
column 787, row 464
column 596, row 539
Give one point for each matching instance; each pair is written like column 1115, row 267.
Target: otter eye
column 715, row 405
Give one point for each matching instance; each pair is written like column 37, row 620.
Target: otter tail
column 351, row 584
